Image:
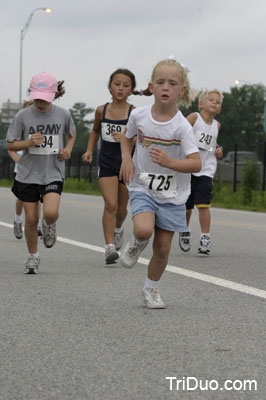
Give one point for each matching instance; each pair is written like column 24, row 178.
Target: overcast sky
column 83, row 42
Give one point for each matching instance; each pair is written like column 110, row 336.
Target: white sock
column 151, row 284
column 205, row 234
column 106, row 246
column 18, row 218
column 36, row 255
column 47, row 225
column 140, row 242
column 118, row 230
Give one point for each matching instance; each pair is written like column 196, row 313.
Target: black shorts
column 32, row 192
column 201, row 192
column 105, row 173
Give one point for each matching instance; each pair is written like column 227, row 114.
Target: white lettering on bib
column 50, row 145
column 108, row 129
column 205, row 141
column 160, row 185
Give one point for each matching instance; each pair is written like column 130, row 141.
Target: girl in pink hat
column 38, row 130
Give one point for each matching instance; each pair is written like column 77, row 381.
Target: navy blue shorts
column 105, row 173
column 32, row 192
column 201, row 192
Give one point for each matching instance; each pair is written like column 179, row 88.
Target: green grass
column 224, row 197
column 5, row 183
column 81, row 186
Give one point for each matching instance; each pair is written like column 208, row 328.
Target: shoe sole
column 111, row 259
column 31, row 271
column 207, row 252
column 155, row 306
column 185, row 251
column 126, row 265
column 48, row 246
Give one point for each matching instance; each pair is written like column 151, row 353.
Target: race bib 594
column 50, row 145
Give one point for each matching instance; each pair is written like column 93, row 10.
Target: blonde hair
column 203, row 95
column 185, row 99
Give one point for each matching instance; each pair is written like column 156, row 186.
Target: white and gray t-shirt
column 40, row 164
column 176, row 138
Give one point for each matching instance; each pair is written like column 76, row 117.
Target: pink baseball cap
column 43, row 86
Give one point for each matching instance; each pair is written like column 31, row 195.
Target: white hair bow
column 173, row 57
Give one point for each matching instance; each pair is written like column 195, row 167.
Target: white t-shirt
column 176, row 138
column 206, row 137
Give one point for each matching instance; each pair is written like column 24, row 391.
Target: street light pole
column 22, row 36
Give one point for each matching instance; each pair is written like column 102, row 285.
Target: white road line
column 171, row 268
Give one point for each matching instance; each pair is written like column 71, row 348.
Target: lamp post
column 22, row 36
column 242, row 82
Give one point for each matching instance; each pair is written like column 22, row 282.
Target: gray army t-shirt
column 39, row 167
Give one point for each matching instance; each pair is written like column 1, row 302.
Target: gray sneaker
column 110, row 254
column 118, row 239
column 18, row 232
column 152, row 298
column 49, row 234
column 32, row 265
column 205, row 244
column 184, row 241
column 131, row 253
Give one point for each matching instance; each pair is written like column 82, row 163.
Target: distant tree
column 79, row 112
column 242, row 118
column 3, row 130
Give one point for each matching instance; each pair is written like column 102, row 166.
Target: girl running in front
column 110, row 122
column 158, row 177
column 38, row 130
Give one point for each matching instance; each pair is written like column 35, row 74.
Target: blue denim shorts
column 168, row 216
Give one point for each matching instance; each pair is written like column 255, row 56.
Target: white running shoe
column 110, row 254
column 118, row 239
column 205, row 244
column 131, row 253
column 184, row 241
column 18, row 232
column 32, row 265
column 152, row 298
column 49, row 234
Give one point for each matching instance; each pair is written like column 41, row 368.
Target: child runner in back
column 158, row 177
column 110, row 122
column 17, row 229
column 206, row 130
column 38, row 130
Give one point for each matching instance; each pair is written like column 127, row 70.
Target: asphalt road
column 78, row 330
